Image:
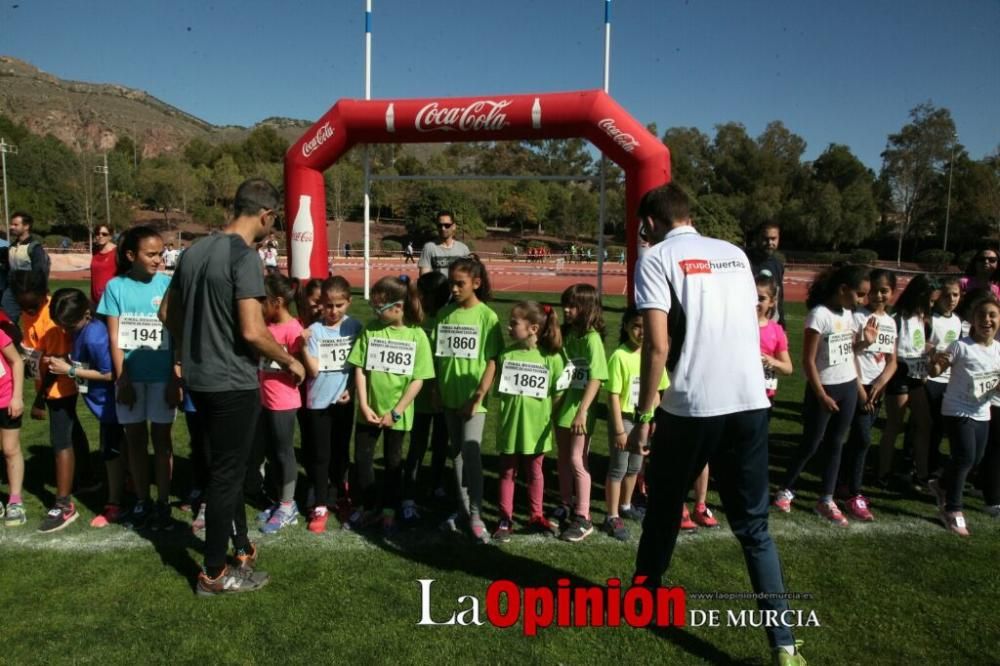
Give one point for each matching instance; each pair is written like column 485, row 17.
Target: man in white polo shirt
column 697, row 298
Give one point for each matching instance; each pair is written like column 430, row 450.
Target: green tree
column 913, row 158
column 690, row 158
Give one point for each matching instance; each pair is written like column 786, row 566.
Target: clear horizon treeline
column 737, row 181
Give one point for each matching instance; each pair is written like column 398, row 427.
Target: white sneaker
column 955, row 522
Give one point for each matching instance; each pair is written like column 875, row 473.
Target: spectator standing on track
column 764, row 260
column 409, row 252
column 698, row 293
column 438, row 256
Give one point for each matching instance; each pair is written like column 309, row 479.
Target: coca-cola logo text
column 623, row 139
column 486, row 115
column 302, row 237
column 322, row 134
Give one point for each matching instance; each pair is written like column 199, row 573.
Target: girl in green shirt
column 467, row 340
column 529, row 370
column 586, row 368
column 391, row 360
column 623, row 392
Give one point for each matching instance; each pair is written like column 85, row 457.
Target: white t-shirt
column 974, row 368
column 835, row 355
column 944, row 331
column 871, row 361
column 911, row 346
column 707, row 290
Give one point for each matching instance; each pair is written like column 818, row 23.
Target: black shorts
column 7, row 423
column 901, row 382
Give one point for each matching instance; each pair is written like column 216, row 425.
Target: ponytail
column 826, row 284
column 402, row 289
column 547, row 321
column 130, row 243
column 475, row 269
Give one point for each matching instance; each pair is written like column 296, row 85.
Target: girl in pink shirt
column 11, row 408
column 773, row 341
column 281, row 401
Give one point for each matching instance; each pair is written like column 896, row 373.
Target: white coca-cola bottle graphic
column 301, row 241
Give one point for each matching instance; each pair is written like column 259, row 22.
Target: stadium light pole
column 602, row 215
column 4, row 149
column 107, row 200
column 367, row 164
column 947, row 207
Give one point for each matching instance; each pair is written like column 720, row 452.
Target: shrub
column 829, row 257
column 391, row 246
column 963, row 259
column 54, row 241
column 863, row 256
column 934, row 260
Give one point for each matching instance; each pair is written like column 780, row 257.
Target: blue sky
column 845, row 72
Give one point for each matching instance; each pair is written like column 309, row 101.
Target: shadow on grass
column 456, row 552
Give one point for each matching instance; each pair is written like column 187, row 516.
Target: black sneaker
column 615, row 527
column 160, row 519
column 58, row 518
column 579, row 529
column 231, row 581
column 139, row 517
column 561, row 515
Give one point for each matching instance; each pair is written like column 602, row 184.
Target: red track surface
column 519, row 276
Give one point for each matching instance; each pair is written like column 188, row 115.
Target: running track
column 520, row 276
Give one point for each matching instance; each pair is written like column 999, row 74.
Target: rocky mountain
column 93, row 117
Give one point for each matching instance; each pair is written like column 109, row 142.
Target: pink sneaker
column 830, row 511
column 857, row 506
column 687, row 524
column 317, row 521
column 783, row 500
column 955, row 522
column 112, row 513
column 703, row 516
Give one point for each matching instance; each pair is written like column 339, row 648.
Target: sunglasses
column 990, row 260
column 446, row 226
column 379, row 309
column 102, row 233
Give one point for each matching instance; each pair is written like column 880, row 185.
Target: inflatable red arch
column 592, row 115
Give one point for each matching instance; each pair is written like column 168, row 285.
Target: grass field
column 899, row 591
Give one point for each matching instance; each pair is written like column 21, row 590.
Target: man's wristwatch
column 644, row 417
column 395, row 415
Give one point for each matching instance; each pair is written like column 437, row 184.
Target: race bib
column 333, row 353
column 137, row 331
column 457, row 341
column 770, row 379
column 984, row 382
column 885, row 341
column 633, row 391
column 393, row 356
column 82, row 387
column 840, row 347
column 520, row 378
column 31, row 359
column 575, row 375
column 917, row 367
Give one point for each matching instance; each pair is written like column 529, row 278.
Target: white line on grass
column 781, row 528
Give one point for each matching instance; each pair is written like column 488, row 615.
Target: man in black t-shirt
column 213, row 311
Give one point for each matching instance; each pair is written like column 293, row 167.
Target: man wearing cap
column 438, row 256
column 697, row 297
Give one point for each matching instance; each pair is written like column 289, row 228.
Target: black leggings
column 968, row 443
column 65, row 431
column 820, row 425
column 364, row 457
column 329, row 450
column 419, row 436
column 989, row 468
